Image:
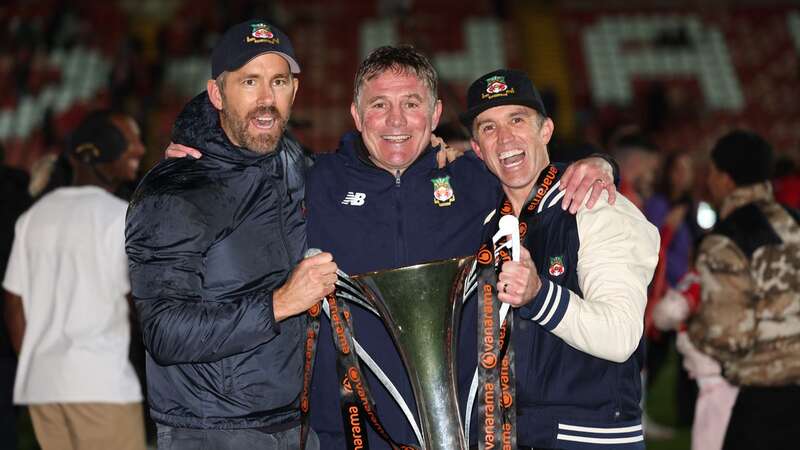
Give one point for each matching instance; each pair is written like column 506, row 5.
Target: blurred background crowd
column 652, row 82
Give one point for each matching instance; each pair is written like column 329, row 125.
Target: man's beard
column 262, row 143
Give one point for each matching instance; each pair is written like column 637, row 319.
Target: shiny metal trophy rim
column 426, row 336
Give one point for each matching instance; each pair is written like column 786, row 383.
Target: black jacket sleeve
column 166, row 239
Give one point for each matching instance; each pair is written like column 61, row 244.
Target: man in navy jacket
column 374, row 204
column 216, row 259
column 579, row 289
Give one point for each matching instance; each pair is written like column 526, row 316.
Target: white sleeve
column 616, row 259
column 16, row 276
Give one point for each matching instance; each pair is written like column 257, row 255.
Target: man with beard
column 215, row 248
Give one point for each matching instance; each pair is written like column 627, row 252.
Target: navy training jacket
column 370, row 221
column 208, row 241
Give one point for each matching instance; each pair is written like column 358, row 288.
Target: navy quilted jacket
column 208, row 241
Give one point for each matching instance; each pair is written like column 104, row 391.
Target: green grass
column 661, row 407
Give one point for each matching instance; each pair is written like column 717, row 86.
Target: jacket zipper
column 400, row 244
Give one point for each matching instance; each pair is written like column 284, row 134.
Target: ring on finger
column 601, row 181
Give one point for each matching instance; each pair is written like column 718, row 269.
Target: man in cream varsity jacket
column 580, row 287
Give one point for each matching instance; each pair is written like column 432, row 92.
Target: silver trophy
column 420, row 306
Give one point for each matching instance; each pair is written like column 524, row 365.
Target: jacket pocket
column 575, row 435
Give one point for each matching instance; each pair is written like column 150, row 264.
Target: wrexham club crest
column 261, row 33
column 496, row 85
column 443, row 194
column 556, row 266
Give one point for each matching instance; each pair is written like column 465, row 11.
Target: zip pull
column 397, row 178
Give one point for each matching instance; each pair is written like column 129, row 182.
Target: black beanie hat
column 743, row 155
column 97, row 139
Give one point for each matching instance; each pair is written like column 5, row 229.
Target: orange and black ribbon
column 496, row 409
column 356, row 402
column 309, row 351
column 497, row 426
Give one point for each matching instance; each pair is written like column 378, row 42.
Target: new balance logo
column 354, row 199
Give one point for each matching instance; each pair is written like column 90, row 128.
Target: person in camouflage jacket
column 749, row 316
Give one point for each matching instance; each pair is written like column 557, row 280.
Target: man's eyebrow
column 258, row 74
column 516, row 113
column 414, row 96
column 246, row 76
column 483, row 121
column 375, row 98
column 521, row 111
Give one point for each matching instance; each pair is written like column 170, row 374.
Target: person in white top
column 66, row 298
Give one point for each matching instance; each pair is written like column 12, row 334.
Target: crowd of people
column 730, row 320
column 210, row 265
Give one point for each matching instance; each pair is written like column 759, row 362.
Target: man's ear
column 296, row 83
column 356, row 116
column 437, row 114
column 476, row 148
column 546, row 131
column 215, row 95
